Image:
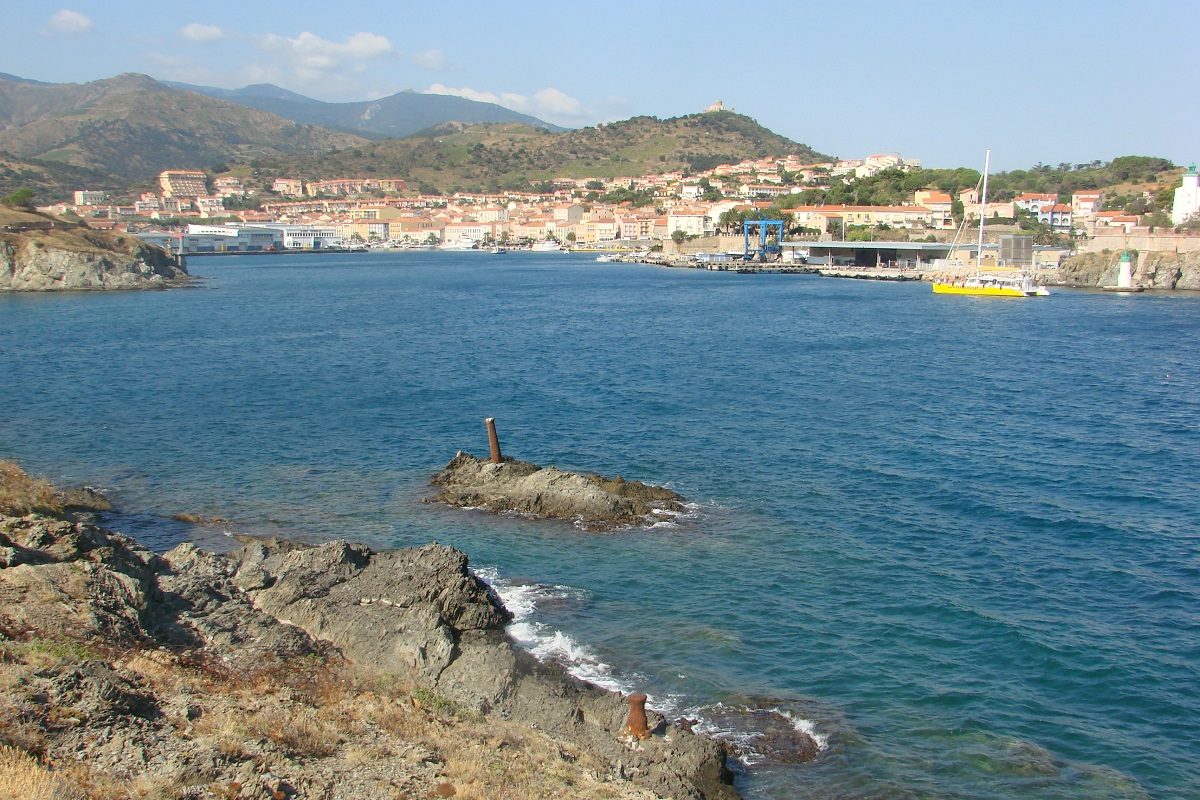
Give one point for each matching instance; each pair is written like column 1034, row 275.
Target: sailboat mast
column 987, row 159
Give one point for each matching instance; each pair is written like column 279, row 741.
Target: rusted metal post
column 493, row 440
column 635, row 723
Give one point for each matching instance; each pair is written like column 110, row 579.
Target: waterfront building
column 304, row 236
column 1187, row 197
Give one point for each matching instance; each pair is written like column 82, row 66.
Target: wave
column 757, row 733
column 545, row 643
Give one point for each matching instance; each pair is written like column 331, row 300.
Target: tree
column 957, row 210
column 678, row 236
column 21, row 198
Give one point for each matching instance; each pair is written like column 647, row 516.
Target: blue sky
column 940, row 81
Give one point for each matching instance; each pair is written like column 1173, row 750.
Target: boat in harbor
column 497, row 250
column 606, row 258
column 996, row 282
column 548, row 246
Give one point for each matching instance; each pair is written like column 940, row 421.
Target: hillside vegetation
column 131, row 127
column 514, row 156
column 1120, row 178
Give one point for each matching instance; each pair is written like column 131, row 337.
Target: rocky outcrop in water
column 70, row 257
column 595, row 502
column 138, row 664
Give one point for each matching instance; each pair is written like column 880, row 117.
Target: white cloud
column 469, row 94
column 549, row 103
column 316, row 66
column 312, row 52
column 430, row 59
column 560, row 104
column 197, row 32
column 68, row 23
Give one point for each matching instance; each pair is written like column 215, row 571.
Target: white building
column 1187, row 197
column 200, row 239
column 85, row 197
column 304, row 237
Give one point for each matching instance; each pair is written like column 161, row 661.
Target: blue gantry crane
column 770, row 239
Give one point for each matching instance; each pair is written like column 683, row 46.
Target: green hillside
column 513, row 156
column 131, row 127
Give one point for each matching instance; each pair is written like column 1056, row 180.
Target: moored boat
column 998, row 282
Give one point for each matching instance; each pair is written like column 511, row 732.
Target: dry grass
column 21, row 494
column 301, row 732
column 23, row 778
column 294, row 710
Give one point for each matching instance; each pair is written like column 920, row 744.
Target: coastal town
column 676, row 214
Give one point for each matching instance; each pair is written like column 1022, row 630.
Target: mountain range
column 132, row 127
column 397, row 115
column 118, row 133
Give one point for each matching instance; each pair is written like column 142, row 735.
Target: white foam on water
column 545, row 643
column 744, row 740
column 548, row 644
column 806, row 726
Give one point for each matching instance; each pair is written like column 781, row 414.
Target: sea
column 955, row 539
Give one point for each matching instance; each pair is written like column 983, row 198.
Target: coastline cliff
column 40, row 254
column 283, row 670
column 1150, row 270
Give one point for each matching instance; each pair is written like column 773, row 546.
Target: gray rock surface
column 1150, row 270
column 416, row 613
column 420, row 613
column 71, row 258
column 593, row 501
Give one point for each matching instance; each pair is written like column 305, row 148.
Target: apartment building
column 86, row 197
column 183, row 183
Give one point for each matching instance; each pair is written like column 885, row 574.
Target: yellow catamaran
column 998, row 282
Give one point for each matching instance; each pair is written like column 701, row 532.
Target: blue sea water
column 958, row 538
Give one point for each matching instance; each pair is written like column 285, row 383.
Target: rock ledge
column 593, row 501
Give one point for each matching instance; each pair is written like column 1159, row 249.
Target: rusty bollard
column 493, row 440
column 635, row 723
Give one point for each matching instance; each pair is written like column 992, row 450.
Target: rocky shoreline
column 39, row 253
column 285, row 670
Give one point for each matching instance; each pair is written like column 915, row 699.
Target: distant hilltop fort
column 717, row 106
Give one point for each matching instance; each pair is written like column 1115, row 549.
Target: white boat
column 498, row 250
column 995, row 282
column 548, row 246
column 606, row 258
column 456, row 245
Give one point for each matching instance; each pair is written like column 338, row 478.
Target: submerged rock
column 596, row 502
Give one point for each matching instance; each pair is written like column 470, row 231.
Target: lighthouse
column 1125, row 272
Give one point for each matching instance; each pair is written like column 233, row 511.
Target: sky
column 1047, row 82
